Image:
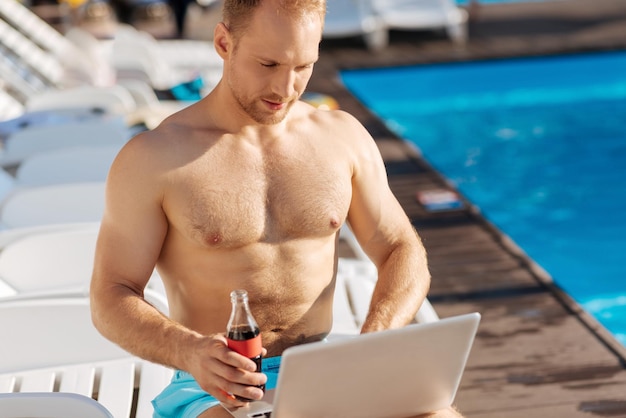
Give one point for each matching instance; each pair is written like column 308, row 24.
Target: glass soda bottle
column 242, row 332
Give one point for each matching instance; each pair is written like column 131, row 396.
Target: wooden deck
column 536, row 354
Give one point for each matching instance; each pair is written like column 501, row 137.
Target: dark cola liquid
column 242, row 334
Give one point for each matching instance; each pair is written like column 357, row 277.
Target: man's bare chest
column 243, row 205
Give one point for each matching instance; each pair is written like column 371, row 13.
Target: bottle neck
column 239, row 296
column 241, row 319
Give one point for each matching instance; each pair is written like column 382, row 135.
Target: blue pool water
column 465, row 2
column 539, row 145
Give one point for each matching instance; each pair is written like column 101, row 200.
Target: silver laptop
column 395, row 373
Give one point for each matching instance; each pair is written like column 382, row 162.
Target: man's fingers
column 243, row 391
column 240, row 376
column 235, row 359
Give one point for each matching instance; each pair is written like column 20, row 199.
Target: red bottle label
column 250, row 348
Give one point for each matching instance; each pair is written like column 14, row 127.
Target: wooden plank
column 603, row 408
column 530, row 352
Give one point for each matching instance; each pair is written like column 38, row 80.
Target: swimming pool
column 466, row 2
column 539, row 144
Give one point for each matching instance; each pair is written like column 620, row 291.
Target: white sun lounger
column 137, row 55
column 40, row 66
column 47, row 117
column 9, row 236
column 10, row 107
column 50, row 261
column 360, row 276
column 38, row 139
column 19, row 81
column 53, row 204
column 352, row 18
column 67, row 165
column 55, row 348
column 51, row 404
column 64, row 262
column 77, row 48
column 7, row 184
column 20, row 16
column 113, row 99
column 186, row 53
column 424, row 15
column 35, row 58
column 81, row 56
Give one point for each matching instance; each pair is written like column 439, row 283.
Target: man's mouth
column 275, row 105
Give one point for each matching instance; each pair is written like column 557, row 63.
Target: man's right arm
column 131, row 235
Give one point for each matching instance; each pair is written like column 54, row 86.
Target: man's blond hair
column 238, row 13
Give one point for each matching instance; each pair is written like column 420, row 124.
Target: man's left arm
column 402, row 286
column 385, row 232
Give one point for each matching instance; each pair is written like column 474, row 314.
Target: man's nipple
column 215, row 239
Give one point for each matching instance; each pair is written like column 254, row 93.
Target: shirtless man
column 248, row 189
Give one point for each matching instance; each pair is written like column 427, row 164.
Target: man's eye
column 268, row 65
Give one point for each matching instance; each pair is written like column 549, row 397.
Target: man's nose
column 283, row 84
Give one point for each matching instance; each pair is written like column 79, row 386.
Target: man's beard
column 253, row 108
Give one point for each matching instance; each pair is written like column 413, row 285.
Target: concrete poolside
column 536, row 353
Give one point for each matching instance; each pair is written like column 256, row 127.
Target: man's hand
column 223, row 373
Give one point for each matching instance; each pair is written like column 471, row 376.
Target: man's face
column 272, row 62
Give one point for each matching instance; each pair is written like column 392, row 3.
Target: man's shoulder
column 167, row 133
column 147, row 141
column 151, row 147
column 341, row 125
column 336, row 117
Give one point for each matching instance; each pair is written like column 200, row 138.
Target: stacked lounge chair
column 424, row 15
column 372, row 19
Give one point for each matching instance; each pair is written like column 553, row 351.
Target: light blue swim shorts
column 183, row 397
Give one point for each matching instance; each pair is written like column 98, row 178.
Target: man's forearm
column 127, row 319
column 403, row 284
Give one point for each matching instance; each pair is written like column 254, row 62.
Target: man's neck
column 230, row 117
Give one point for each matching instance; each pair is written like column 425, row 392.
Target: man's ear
column 222, row 40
